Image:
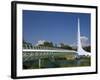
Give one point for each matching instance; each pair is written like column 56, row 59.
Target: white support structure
column 80, row 50
column 39, row 62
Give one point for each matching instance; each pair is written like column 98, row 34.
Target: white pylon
column 80, row 50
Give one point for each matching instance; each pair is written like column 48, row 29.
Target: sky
column 57, row 27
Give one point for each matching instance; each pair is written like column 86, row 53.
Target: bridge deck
column 36, row 50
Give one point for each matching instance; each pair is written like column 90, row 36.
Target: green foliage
column 88, row 48
column 47, row 44
column 63, row 46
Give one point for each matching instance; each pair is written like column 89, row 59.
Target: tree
column 63, row 46
column 87, row 48
column 47, row 44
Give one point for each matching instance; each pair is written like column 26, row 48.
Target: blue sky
column 58, row 27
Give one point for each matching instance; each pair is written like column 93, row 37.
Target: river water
column 56, row 63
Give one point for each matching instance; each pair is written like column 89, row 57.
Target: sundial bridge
column 42, row 52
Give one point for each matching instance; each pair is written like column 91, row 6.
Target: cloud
column 84, row 38
column 84, row 42
column 40, row 42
